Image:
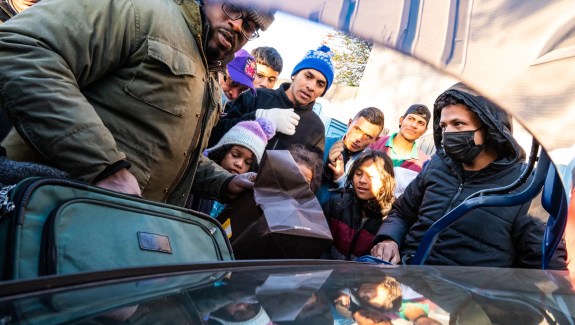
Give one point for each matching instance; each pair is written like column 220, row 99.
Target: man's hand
column 241, row 183
column 122, row 181
column 387, row 250
column 343, row 299
column 337, row 168
column 284, row 118
column 336, row 151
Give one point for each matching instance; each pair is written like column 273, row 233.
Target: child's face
column 239, row 312
column 306, row 172
column 367, row 181
column 230, row 88
column 238, row 160
column 373, row 293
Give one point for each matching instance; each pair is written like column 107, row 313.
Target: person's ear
column 349, row 123
column 400, row 121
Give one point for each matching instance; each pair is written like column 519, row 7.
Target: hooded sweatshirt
column 487, row 236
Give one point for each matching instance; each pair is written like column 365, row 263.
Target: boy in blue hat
column 290, row 106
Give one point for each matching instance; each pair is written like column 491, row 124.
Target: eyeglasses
column 249, row 27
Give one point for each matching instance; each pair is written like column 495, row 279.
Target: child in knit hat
column 240, row 150
column 248, row 140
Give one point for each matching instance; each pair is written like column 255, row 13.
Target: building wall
column 391, row 82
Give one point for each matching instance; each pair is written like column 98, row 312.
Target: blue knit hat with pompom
column 253, row 135
column 319, row 60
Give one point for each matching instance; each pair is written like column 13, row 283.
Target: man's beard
column 214, row 54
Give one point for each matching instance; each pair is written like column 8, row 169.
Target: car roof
column 517, row 53
column 292, row 292
column 520, row 54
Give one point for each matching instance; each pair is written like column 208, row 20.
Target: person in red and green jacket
column 401, row 146
column 407, row 159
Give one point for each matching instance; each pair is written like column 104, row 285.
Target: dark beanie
column 419, row 109
column 264, row 18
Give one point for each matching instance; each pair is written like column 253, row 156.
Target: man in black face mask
column 476, row 151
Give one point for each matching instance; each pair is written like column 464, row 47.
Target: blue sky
column 292, row 37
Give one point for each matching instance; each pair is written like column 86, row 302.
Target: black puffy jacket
column 352, row 229
column 310, row 131
column 499, row 236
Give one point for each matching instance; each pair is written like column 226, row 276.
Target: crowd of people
column 180, row 113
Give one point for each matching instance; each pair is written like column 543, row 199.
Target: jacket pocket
column 163, row 78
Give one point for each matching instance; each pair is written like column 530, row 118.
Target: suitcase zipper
column 47, row 264
column 29, row 186
column 6, row 206
column 12, row 208
column 49, row 252
column 16, row 198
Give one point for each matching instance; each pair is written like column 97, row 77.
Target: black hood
column 497, row 121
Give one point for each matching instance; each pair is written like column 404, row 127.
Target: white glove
column 284, row 118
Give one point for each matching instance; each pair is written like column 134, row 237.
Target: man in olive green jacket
column 9, row 9
column 123, row 93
